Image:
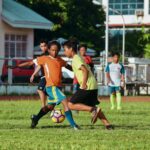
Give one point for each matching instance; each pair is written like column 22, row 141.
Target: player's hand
column 11, row 67
column 32, row 78
column 83, row 86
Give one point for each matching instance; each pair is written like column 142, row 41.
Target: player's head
column 54, row 48
column 70, row 48
column 82, row 49
column 43, row 45
column 115, row 57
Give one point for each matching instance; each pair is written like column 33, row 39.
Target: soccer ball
column 57, row 115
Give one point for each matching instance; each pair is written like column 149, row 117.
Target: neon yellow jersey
column 77, row 62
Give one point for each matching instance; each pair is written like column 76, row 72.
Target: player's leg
column 41, row 91
column 61, row 98
column 42, row 97
column 43, row 111
column 118, row 98
column 81, row 101
column 112, row 97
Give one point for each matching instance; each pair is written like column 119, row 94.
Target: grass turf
column 132, row 129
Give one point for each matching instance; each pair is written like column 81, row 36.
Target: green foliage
column 133, row 47
column 131, row 132
column 146, row 40
column 72, row 18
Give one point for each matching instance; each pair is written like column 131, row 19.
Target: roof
column 19, row 16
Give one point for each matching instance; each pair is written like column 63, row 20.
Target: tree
column 72, row 18
column 145, row 41
column 133, row 45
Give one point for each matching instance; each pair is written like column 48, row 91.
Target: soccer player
column 82, row 51
column 85, row 99
column 52, row 65
column 41, row 86
column 115, row 78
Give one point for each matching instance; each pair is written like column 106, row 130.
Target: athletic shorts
column 55, row 95
column 114, row 89
column 86, row 97
column 42, row 83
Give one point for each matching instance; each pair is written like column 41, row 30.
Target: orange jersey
column 52, row 69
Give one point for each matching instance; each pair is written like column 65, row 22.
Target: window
column 15, row 45
column 126, row 7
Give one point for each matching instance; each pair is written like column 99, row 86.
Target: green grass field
column 132, row 129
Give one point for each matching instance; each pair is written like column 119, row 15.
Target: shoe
column 119, row 108
column 95, row 114
column 34, row 122
column 110, row 127
column 76, row 127
column 112, row 108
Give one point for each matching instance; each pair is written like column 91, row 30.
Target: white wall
column 130, row 19
column 5, row 28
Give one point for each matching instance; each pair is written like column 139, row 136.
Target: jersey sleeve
column 35, row 61
column 41, row 60
column 107, row 69
column 78, row 62
column 122, row 70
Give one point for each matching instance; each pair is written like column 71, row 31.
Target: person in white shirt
column 115, row 78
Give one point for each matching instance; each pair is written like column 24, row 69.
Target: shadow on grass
column 133, row 127
column 82, row 126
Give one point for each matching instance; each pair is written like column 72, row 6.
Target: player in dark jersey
column 41, row 86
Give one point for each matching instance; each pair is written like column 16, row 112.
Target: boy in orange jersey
column 52, row 65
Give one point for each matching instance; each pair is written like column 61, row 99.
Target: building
column 17, row 24
column 136, row 13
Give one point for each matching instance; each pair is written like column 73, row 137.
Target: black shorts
column 42, row 85
column 86, row 97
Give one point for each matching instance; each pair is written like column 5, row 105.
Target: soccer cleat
column 95, row 114
column 112, row 108
column 110, row 127
column 119, row 108
column 34, row 122
column 76, row 127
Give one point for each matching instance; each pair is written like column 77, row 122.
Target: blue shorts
column 55, row 95
column 114, row 89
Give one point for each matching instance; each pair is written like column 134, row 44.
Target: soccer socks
column 44, row 111
column 118, row 96
column 112, row 101
column 69, row 117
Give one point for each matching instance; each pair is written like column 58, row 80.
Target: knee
column 50, row 107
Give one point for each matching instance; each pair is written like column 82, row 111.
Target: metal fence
column 137, row 76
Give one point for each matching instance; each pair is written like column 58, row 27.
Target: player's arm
column 25, row 64
column 108, row 74
column 108, row 77
column 122, row 71
column 85, row 76
column 35, row 72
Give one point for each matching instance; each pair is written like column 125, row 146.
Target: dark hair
column 43, row 41
column 71, row 44
column 51, row 43
column 82, row 45
column 115, row 53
